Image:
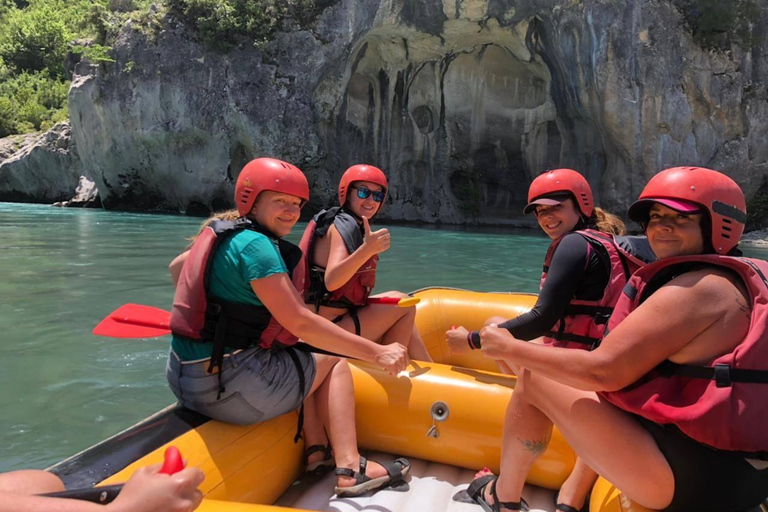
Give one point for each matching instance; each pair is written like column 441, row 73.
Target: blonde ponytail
column 607, row 222
column 225, row 215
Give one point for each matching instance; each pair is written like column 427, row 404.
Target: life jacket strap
column 722, row 374
column 601, row 314
column 593, row 343
column 302, row 388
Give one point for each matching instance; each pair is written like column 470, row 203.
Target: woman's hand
column 149, row 491
column 457, row 340
column 375, row 242
column 392, row 357
column 495, row 342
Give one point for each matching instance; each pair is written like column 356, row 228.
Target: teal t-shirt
column 243, row 257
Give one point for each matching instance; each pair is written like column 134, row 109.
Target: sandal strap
column 359, row 476
column 509, row 505
column 316, row 448
column 477, row 486
column 562, row 507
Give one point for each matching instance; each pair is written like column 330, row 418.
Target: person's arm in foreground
column 282, row 300
column 145, row 491
column 664, row 324
column 341, row 265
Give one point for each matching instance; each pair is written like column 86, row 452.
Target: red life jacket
column 724, row 404
column 584, row 322
column 202, row 317
column 354, row 292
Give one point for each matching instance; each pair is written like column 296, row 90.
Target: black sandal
column 322, row 466
column 396, row 471
column 562, row 507
column 476, row 494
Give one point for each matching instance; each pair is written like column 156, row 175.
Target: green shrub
column 34, row 40
column 29, row 100
column 8, row 120
column 223, row 23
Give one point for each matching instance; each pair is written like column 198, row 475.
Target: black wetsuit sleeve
column 566, row 272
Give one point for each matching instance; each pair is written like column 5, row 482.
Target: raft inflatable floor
column 430, row 488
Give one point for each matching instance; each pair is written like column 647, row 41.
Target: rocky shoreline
column 757, row 237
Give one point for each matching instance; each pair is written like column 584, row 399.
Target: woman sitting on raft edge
column 343, row 252
column 233, row 352
column 585, row 270
column 670, row 408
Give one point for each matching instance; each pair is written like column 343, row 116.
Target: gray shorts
column 259, row 384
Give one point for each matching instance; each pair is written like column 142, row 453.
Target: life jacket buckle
column 722, row 375
column 213, row 308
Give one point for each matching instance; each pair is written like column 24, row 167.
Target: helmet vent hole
column 725, row 228
column 725, row 235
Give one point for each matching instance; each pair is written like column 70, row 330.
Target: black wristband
column 473, row 340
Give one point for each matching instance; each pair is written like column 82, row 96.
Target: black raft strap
column 722, row 374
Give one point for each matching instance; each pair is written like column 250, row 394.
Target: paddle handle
column 405, row 302
column 172, row 464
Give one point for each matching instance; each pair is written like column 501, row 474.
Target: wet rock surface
column 462, row 102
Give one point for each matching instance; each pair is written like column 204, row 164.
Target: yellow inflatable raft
column 445, row 416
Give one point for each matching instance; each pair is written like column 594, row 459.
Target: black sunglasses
column 365, row 193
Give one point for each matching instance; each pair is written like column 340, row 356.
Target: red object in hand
column 173, row 461
column 453, row 327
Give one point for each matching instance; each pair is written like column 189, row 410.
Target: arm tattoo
column 536, row 447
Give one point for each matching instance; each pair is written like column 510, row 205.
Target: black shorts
column 706, row 479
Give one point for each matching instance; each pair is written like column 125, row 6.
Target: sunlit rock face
column 461, row 102
column 42, row 169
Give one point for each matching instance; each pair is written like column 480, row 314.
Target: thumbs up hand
column 375, row 242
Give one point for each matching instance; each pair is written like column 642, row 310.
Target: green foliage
column 757, row 208
column 33, row 40
column 716, row 24
column 30, row 101
column 94, row 52
column 224, row 23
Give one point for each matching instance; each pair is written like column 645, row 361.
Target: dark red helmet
column 361, row 172
column 550, row 187
column 688, row 189
column 268, row 174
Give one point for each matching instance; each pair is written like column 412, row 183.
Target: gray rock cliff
column 462, row 102
column 39, row 167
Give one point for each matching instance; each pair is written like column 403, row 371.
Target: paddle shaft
column 100, row 495
column 139, row 321
column 173, row 463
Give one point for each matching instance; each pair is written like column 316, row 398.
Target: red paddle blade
column 135, row 321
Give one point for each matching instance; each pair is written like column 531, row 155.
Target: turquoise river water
column 63, row 270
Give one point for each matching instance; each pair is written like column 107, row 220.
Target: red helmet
column 361, row 172
column 268, row 174
column 679, row 187
column 561, row 181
